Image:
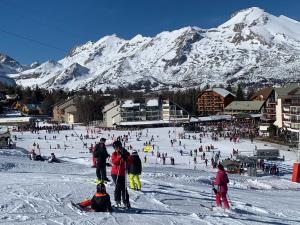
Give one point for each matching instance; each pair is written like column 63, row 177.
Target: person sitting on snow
column 35, row 157
column 53, row 158
column 221, row 182
column 32, row 155
column 100, row 202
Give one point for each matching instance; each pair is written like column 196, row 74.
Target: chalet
column 143, row 112
column 268, row 96
column 213, row 101
column 29, row 109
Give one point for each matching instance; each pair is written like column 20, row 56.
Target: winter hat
column 117, row 144
column 101, row 188
column 221, row 167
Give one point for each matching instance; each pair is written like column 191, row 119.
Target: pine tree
column 229, row 88
column 240, row 93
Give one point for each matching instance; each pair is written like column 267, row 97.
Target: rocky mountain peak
column 252, row 46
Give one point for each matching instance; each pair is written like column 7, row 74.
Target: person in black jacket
column 101, row 155
column 135, row 170
column 100, row 201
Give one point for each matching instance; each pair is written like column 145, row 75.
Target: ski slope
column 34, row 192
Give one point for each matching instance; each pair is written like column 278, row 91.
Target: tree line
column 90, row 107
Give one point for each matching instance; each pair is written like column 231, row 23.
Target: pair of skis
column 116, row 208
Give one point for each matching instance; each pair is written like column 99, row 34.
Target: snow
column 152, row 102
column 210, row 118
column 144, row 122
column 33, row 192
column 129, row 104
column 221, row 91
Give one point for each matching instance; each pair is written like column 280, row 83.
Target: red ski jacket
column 119, row 164
column 222, row 181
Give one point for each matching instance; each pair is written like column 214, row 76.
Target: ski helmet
column 101, row 188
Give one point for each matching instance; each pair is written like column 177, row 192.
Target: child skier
column 100, row 201
column 135, row 170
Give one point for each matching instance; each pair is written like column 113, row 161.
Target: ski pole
column 155, row 167
column 211, row 202
column 229, row 200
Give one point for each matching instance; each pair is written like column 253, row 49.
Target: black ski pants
column 101, row 172
column 120, row 189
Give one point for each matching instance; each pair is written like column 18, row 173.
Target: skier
column 135, row 170
column 120, row 160
column 53, row 158
column 100, row 201
column 221, row 182
column 100, row 153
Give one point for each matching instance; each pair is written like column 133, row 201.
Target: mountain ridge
column 252, row 46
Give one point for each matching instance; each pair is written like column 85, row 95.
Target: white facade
column 111, row 114
column 142, row 112
column 278, row 121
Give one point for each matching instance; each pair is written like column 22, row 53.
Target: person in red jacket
column 121, row 159
column 221, row 182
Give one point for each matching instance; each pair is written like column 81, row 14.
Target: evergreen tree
column 229, row 88
column 240, row 93
column 250, row 93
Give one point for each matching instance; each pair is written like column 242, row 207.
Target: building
column 291, row 110
column 143, row 112
column 287, row 106
column 111, row 114
column 268, row 96
column 5, row 140
column 213, row 101
column 66, row 111
column 245, row 107
column 29, row 109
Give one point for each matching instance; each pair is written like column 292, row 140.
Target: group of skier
column 122, row 163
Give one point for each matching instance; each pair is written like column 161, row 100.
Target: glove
column 215, row 190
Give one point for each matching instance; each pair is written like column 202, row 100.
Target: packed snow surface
column 34, row 192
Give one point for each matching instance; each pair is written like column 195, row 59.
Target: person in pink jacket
column 221, row 182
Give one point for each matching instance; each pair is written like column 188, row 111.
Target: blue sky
column 62, row 24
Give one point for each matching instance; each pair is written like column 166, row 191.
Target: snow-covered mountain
column 8, row 65
column 252, row 46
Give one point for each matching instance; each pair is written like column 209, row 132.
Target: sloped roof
column 265, row 93
column 283, row 91
column 221, row 91
column 245, row 105
column 152, row 102
column 129, row 104
column 295, row 91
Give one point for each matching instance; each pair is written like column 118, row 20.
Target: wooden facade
column 212, row 102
